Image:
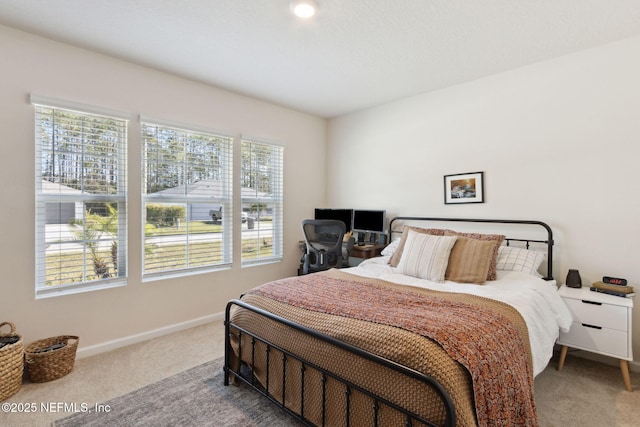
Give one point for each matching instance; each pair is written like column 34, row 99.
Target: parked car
column 216, row 215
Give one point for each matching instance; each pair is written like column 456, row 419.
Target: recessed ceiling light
column 304, row 8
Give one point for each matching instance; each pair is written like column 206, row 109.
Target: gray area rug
column 196, row 397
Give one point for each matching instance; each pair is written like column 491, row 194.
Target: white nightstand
column 601, row 324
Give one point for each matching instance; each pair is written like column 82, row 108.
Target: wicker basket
column 11, row 363
column 51, row 358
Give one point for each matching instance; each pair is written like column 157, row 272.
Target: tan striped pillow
column 426, row 256
column 395, row 258
column 469, row 260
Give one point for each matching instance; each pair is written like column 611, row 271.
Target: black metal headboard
column 548, row 241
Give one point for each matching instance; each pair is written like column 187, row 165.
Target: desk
column 366, row 251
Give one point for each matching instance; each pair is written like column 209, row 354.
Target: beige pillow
column 469, row 260
column 395, row 258
column 491, row 274
column 426, row 256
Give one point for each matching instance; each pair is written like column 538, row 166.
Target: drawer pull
column 591, row 326
column 591, row 302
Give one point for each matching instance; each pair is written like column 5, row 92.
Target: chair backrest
column 323, row 238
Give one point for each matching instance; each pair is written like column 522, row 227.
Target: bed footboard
column 311, row 392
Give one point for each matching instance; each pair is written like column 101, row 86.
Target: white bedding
column 537, row 301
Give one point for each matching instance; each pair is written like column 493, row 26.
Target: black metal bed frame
column 548, row 241
column 350, row 388
column 247, row 376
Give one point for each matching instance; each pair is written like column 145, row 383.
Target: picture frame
column 464, row 188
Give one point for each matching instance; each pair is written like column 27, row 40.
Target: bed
column 449, row 327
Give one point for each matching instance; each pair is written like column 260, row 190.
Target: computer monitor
column 369, row 221
column 344, row 215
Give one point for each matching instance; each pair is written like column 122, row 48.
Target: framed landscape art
column 464, row 188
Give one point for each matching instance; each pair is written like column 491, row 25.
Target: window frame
column 75, row 196
column 225, row 200
column 276, row 199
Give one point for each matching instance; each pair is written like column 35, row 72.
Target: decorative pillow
column 518, row 259
column 469, row 260
column 491, row 274
column 426, row 256
column 390, row 248
column 395, row 258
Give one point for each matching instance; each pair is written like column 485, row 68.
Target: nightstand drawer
column 598, row 314
column 601, row 340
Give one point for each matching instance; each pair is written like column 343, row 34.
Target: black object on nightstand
column 573, row 279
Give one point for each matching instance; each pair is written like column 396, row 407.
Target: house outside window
column 187, row 209
column 81, row 199
column 261, row 181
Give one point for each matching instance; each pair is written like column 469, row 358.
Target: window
column 81, row 210
column 262, row 199
column 187, row 207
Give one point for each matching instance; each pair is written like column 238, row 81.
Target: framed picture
column 464, row 188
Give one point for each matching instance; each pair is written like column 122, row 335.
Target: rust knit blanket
column 477, row 332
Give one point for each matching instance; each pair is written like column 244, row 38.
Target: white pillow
column 426, row 256
column 518, row 259
column 390, row 248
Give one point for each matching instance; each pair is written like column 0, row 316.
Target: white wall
column 558, row 142
column 35, row 65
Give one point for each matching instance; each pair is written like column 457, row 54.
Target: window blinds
column 187, row 206
column 81, row 210
column 261, row 180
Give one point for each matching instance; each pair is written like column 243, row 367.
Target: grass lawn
column 77, row 267
column 194, row 227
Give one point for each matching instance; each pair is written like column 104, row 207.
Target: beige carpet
column 585, row 393
column 112, row 374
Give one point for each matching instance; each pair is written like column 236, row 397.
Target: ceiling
column 352, row 55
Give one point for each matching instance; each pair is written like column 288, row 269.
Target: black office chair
column 323, row 238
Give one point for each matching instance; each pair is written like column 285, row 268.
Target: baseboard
column 92, row 350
